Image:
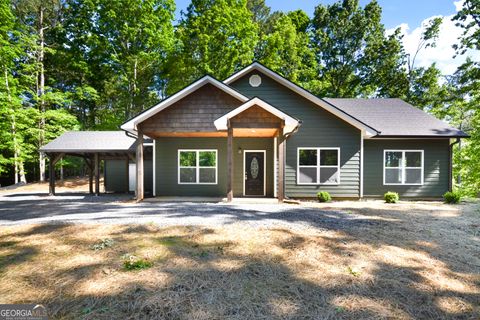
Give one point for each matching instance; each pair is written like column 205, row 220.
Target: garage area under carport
column 114, row 149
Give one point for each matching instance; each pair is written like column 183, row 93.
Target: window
column 197, row 166
column 403, row 167
column 318, row 166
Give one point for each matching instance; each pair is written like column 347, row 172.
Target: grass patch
column 389, row 262
column 131, row 262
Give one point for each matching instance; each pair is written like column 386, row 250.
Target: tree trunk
column 19, row 171
column 41, row 93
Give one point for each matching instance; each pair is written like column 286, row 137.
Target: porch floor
column 213, row 199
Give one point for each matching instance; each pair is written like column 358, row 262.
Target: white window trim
column 403, row 168
column 318, row 166
column 197, row 166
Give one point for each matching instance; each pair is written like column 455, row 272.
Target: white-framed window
column 403, row 167
column 318, row 166
column 197, row 166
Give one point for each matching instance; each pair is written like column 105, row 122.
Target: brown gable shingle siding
column 194, row 113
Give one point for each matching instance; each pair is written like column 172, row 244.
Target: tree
column 468, row 18
column 11, row 140
column 287, row 50
column 214, row 37
column 119, row 51
column 341, row 31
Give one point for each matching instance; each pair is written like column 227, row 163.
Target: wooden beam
column 97, row 174
column 281, row 169
column 230, row 163
column 89, row 162
column 139, row 165
column 127, row 178
column 51, row 169
column 54, row 157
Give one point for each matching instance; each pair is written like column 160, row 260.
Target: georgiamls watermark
column 23, row 312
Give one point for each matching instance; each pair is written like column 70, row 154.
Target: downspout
column 450, row 164
column 286, row 136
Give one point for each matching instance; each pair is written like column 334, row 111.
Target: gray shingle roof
column 395, row 117
column 91, row 141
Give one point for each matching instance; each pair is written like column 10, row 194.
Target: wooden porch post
column 89, row 162
column 127, row 178
column 139, row 165
column 51, row 171
column 281, row 169
column 230, row 163
column 97, row 174
column 51, row 168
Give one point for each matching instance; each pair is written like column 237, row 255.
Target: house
column 256, row 134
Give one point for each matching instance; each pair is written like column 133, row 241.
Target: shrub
column 452, row 197
column 391, row 197
column 105, row 243
column 324, row 196
column 131, row 262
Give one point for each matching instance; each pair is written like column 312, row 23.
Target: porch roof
column 290, row 123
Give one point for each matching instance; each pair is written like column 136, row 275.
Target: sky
column 409, row 15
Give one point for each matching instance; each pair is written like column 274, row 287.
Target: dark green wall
column 115, row 175
column 436, row 157
column 319, row 129
column 167, row 169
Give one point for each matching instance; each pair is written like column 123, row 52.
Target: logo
column 23, row 312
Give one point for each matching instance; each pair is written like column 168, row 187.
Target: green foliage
column 103, row 244
column 214, row 37
column 469, row 19
column 391, row 197
column 452, row 197
column 324, row 196
column 131, row 262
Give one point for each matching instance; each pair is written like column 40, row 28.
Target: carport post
column 97, row 175
column 51, row 172
column 89, row 162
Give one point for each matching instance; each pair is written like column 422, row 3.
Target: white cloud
column 443, row 53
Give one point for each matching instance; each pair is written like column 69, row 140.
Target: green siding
column 115, row 175
column 167, row 169
column 319, row 129
column 436, row 168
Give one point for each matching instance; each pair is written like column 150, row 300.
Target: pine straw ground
column 411, row 261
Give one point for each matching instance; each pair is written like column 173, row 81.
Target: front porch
column 248, row 145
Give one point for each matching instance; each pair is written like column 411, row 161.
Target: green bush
column 391, row 197
column 133, row 263
column 452, row 197
column 103, row 244
column 324, row 196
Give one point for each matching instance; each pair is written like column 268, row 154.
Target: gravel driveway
column 36, row 208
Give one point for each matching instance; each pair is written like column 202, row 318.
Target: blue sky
column 395, row 12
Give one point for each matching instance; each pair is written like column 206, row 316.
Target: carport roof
column 91, row 142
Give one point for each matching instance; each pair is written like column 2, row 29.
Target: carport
column 112, row 147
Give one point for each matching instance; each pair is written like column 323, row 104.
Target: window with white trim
column 403, row 167
column 318, row 166
column 197, row 166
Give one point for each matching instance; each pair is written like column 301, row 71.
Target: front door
column 254, row 165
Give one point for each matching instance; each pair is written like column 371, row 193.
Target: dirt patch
column 78, row 184
column 418, row 260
